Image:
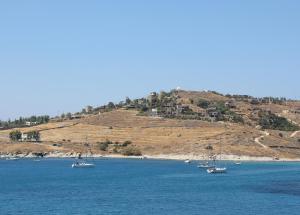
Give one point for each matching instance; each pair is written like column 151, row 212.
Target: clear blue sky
column 58, row 56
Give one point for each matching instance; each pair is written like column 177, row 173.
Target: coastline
column 155, row 157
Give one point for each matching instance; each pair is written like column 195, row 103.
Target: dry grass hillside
column 156, row 136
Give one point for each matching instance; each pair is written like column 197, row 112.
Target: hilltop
column 172, row 124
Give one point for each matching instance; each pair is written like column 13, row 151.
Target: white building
column 154, row 112
column 24, row 137
column 28, row 123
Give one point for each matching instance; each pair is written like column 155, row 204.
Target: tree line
column 16, row 135
column 21, row 122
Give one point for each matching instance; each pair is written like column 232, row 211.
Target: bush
column 103, row 146
column 203, row 103
column 15, row 135
column 221, row 107
column 131, row 151
column 209, row 147
column 126, row 143
column 34, row 136
column 272, row 121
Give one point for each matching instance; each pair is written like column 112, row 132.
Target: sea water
column 125, row 186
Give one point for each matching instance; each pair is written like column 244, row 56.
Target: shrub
column 15, row 135
column 272, row 121
column 221, row 107
column 34, row 136
column 115, row 150
column 131, row 151
column 203, row 103
column 103, row 146
column 126, row 143
column 209, row 147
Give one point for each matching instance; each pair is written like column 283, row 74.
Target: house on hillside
column 76, row 116
column 89, row 109
column 30, row 137
column 231, row 103
column 254, row 101
column 154, row 112
column 182, row 109
column 28, row 123
column 213, row 112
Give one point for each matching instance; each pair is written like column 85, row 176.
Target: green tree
column 128, row 101
column 15, row 135
column 203, row 103
column 69, row 115
column 34, row 135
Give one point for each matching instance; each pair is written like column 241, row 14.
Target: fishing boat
column 13, row 159
column 206, row 165
column 82, row 165
column 187, row 161
column 217, row 170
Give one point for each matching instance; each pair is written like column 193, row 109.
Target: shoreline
column 177, row 157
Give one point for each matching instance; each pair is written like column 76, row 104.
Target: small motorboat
column 187, row 161
column 216, row 170
column 83, row 165
column 13, row 159
column 206, row 166
column 238, row 163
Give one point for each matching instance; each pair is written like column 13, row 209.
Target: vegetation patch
column 269, row 120
column 131, row 151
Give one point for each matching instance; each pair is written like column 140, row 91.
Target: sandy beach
column 157, row 157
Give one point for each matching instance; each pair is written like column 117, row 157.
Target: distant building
column 25, row 137
column 231, row 103
column 154, row 112
column 152, row 98
column 27, row 123
column 89, row 109
column 76, row 116
column 214, row 114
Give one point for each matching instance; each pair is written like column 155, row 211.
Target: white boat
column 82, row 165
column 187, row 161
column 13, row 159
column 238, row 163
column 216, row 170
column 206, row 166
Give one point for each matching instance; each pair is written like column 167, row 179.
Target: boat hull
column 217, row 170
column 82, row 166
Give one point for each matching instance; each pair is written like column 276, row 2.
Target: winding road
column 258, row 139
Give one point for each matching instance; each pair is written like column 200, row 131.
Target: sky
column 59, row 56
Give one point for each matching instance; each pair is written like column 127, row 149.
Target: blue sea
column 121, row 186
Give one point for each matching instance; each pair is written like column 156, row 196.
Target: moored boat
column 82, row 165
column 216, row 170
